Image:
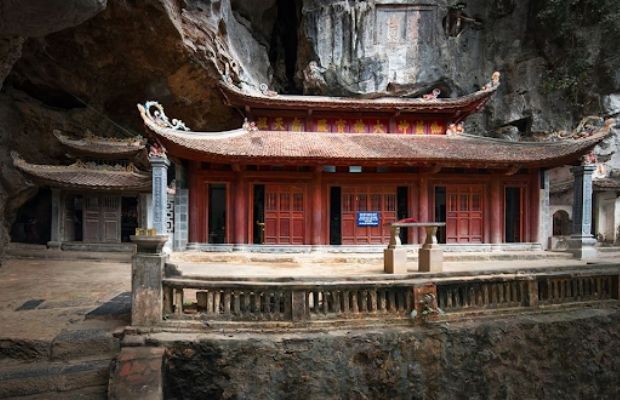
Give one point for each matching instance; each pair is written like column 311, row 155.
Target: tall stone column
column 545, row 225
column 496, row 212
column 159, row 166
column 56, row 236
column 582, row 242
column 423, row 211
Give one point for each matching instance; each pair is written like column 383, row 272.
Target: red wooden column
column 240, row 205
column 194, row 208
column 317, row 207
column 496, row 210
column 423, row 211
column 534, row 206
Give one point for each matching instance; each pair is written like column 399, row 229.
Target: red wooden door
column 464, row 218
column 381, row 199
column 284, row 214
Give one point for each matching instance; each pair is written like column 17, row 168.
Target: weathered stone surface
column 567, row 355
column 136, row 373
column 41, row 17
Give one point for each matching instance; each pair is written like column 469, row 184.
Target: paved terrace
column 247, row 265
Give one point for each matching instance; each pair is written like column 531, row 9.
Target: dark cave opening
column 33, row 223
column 284, row 43
column 52, row 97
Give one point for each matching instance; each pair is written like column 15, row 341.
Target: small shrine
column 99, row 200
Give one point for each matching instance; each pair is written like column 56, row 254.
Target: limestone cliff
column 84, row 64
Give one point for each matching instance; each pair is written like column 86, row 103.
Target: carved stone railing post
column 147, row 272
column 395, row 255
column 582, row 242
column 299, row 310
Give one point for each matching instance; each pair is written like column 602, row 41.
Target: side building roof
column 102, row 147
column 85, row 176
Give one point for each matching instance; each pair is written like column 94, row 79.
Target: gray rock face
column 512, row 358
column 40, row 17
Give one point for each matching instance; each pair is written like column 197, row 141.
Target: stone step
column 67, row 345
column 21, row 250
column 318, row 258
column 64, row 379
column 94, row 392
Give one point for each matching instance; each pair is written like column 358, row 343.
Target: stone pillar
column 56, row 236
column 181, row 226
column 317, row 209
column 395, row 256
column 159, row 167
column 430, row 255
column 423, row 211
column 545, row 220
column 581, row 242
column 147, row 271
column 496, row 210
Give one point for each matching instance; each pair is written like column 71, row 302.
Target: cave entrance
column 33, row 223
column 284, row 43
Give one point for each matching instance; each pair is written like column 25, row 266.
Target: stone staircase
column 74, row 365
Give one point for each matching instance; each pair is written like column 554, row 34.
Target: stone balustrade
column 256, row 302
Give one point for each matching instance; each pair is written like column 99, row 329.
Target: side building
column 100, row 199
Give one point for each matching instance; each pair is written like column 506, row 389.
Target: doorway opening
column 259, row 215
column 129, row 217
column 513, row 214
column 440, row 212
column 402, row 210
column 335, row 215
column 217, row 213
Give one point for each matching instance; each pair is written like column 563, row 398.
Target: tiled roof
column 262, row 147
column 85, row 176
column 459, row 105
column 102, row 147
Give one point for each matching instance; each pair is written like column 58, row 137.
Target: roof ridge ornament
column 155, row 112
column 494, row 82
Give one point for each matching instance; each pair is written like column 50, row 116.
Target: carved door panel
column 68, row 217
column 111, row 218
column 284, row 214
column 367, row 199
column 464, row 218
column 92, row 217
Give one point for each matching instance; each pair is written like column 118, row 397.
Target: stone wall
column 568, row 355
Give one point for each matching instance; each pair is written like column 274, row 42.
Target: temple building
column 311, row 171
column 98, row 201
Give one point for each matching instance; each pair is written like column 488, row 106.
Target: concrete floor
column 69, row 290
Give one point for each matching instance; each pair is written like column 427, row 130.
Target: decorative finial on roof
column 155, row 112
column 455, row 129
column 494, row 81
column 264, row 89
column 249, row 126
column 432, row 95
column 157, row 150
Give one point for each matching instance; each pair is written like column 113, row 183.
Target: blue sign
column 368, row 218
